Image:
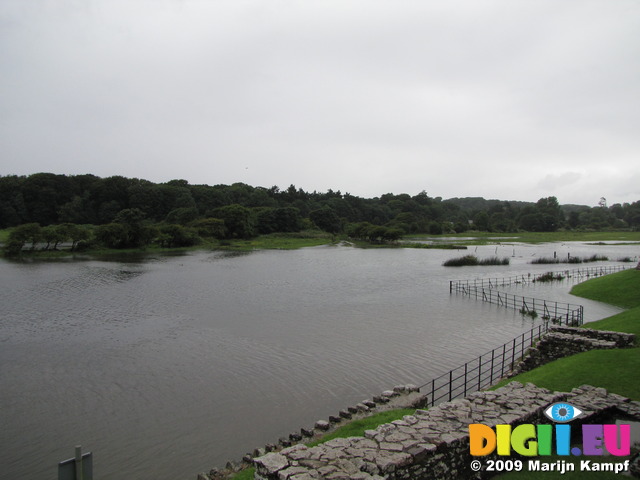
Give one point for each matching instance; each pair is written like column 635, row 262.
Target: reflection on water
column 164, row 366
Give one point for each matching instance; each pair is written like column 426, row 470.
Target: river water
column 167, row 365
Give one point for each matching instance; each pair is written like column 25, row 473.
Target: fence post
column 450, row 384
column 465, row 379
column 480, row 372
column 491, row 375
column 433, row 392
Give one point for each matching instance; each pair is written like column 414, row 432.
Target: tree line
column 131, row 212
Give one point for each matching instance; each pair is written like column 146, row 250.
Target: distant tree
column 435, row 228
column 137, row 233
column 210, row 228
column 326, row 219
column 239, row 221
column 392, row 234
column 182, row 215
column 22, row 234
column 52, row 234
column 112, row 235
column 73, row 232
column 481, row 221
column 171, row 236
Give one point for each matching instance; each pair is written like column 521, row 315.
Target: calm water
column 165, row 366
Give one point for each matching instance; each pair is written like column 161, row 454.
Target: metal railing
column 486, row 369
column 578, row 273
column 482, row 372
column 560, row 313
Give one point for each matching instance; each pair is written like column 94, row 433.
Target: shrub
column 467, row 260
column 470, row 260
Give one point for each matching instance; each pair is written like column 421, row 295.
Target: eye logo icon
column 562, row 412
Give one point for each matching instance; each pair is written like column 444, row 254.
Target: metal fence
column 482, row 372
column 559, row 313
column 578, row 273
column 490, row 367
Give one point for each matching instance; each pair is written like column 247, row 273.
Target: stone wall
column 433, row 444
column 560, row 342
column 402, row 396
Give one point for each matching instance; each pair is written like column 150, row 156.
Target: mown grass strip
column 355, row 428
column 621, row 289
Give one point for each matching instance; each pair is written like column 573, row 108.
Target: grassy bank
column 621, row 289
column 487, row 238
column 355, row 428
column 281, row 241
column 596, row 367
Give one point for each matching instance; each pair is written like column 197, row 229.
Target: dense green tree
column 239, row 221
column 136, row 233
column 171, row 236
column 25, row 233
column 210, row 228
column 50, row 199
column 326, row 219
column 52, row 234
column 75, row 233
column 481, row 221
column 112, row 235
column 182, row 215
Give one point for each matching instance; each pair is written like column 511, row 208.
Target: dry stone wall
column 560, row 342
column 433, row 444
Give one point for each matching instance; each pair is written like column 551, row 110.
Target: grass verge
column 355, row 428
column 484, row 238
column 621, row 289
column 280, row 241
column 595, row 367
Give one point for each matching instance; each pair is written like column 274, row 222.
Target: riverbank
column 596, row 367
column 593, row 368
column 314, row 238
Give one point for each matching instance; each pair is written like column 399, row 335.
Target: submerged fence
column 488, row 368
column 560, row 313
column 482, row 372
column 578, row 273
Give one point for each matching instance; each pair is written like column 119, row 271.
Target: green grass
column 621, row 289
column 483, row 238
column 627, row 321
column 594, row 368
column 279, row 241
column 355, row 428
column 616, row 370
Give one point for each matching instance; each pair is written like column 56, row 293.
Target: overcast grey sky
column 507, row 99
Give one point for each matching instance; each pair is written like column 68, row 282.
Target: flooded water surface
column 165, row 366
